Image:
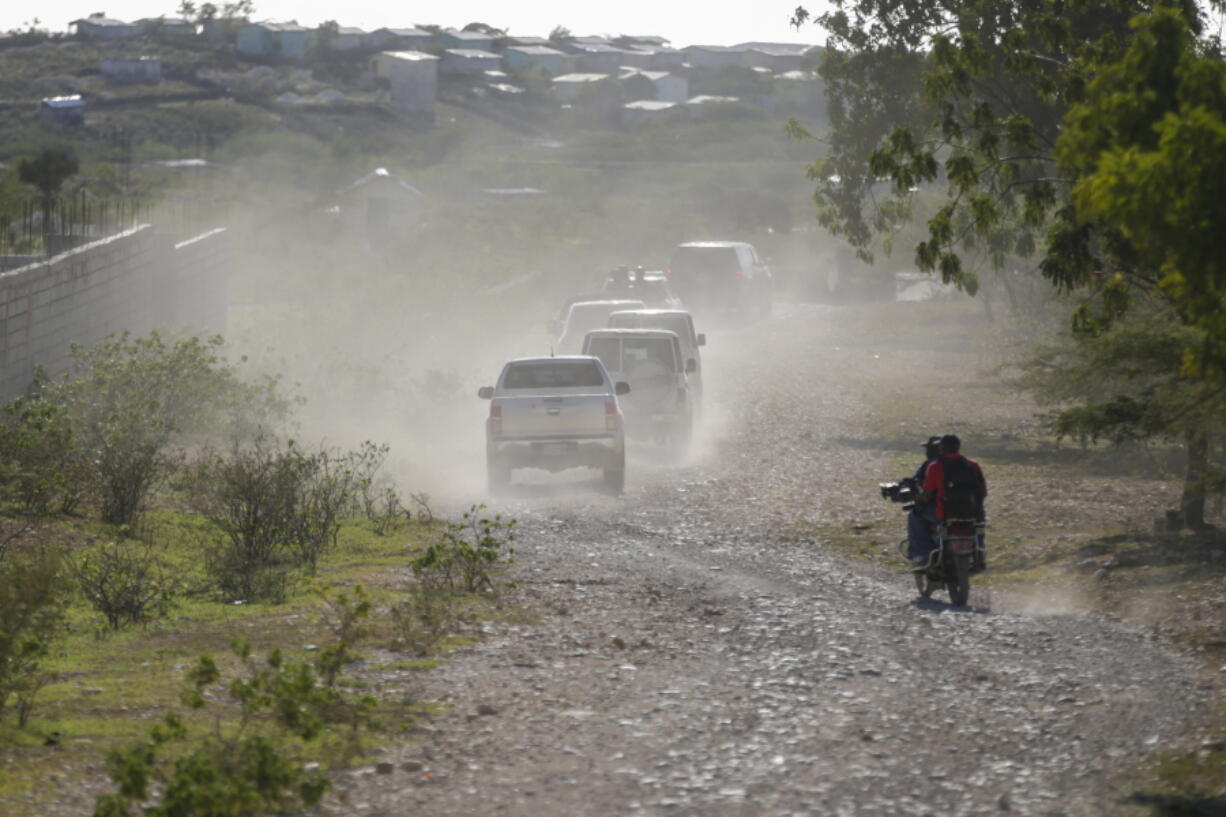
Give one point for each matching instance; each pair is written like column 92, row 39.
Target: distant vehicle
column 555, row 413
column 673, row 320
column 650, row 287
column 585, row 316
column 554, row 327
column 721, row 275
column 649, row 360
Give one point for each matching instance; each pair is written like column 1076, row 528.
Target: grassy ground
column 1071, row 529
column 109, row 688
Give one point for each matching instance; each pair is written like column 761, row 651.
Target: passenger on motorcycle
column 922, row 520
column 956, row 484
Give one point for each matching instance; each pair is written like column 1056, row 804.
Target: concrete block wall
column 134, row 281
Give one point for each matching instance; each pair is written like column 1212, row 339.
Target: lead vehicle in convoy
column 555, row 413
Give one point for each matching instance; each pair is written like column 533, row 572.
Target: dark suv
column 721, row 274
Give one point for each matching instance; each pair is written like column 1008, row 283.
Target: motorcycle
column 958, row 554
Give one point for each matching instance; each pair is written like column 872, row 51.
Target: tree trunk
column 1192, row 504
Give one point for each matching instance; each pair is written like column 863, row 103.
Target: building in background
column 288, row 41
column 537, row 59
column 100, row 27
column 62, row 110
column 412, row 80
column 469, row 61
column 133, row 69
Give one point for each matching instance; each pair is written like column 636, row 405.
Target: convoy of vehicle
column 624, row 361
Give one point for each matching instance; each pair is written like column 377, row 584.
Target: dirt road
column 697, row 654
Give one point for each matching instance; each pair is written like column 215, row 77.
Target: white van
column 659, row 405
column 679, row 322
column 583, row 317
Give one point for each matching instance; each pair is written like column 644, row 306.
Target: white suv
column 721, row 274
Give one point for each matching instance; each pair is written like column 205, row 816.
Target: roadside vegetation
column 189, row 599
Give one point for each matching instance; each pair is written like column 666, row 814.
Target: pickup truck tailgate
column 553, row 415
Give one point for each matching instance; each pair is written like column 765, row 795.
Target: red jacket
column 934, row 480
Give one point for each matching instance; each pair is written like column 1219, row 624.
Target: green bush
column 467, row 556
column 124, row 582
column 33, row 598
column 115, row 425
column 248, row 765
column 277, row 507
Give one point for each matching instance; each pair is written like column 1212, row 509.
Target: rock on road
column 696, row 655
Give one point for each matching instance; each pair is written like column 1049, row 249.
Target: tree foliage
column 1088, row 136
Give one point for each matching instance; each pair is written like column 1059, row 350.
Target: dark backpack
column 961, row 489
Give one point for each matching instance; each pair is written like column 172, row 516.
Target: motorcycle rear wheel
column 960, row 584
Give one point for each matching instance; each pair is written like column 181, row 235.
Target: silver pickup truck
column 555, row 413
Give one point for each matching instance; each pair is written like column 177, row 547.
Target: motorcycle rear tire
column 960, row 584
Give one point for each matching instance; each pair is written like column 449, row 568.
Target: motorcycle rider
column 951, row 475
column 922, row 520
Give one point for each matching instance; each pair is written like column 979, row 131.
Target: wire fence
column 35, row 229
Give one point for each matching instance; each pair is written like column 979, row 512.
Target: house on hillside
column 800, row 94
column 132, row 69
column 400, row 39
column 168, row 27
column 379, row 207
column 101, row 27
column 288, row 41
column 666, row 87
column 598, row 58
column 516, row 42
column 469, row 61
column 646, row 39
column 473, row 40
column 348, row 38
column 658, row 57
column 537, row 59
column 650, row 109
column 713, row 56
column 777, row 57
column 412, row 80
column 568, row 87
column 62, row 110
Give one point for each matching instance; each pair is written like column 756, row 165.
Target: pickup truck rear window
column 561, row 374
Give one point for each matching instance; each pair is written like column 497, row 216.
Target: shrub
column 467, row 555
column 124, row 582
column 384, row 508
column 278, row 508
column 115, row 421
column 422, row 619
column 33, row 599
column 241, row 767
column 43, row 469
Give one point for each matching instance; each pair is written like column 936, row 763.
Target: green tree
column 47, row 173
column 1054, row 128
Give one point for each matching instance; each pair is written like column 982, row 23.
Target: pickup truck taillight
column 610, row 416
column 495, row 419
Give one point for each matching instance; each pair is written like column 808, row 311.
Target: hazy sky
column 684, row 23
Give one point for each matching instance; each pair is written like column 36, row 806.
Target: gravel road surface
column 698, row 654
